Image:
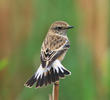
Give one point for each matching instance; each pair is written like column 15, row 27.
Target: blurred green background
column 23, row 26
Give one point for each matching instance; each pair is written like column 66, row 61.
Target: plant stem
column 55, row 95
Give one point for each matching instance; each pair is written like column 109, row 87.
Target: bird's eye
column 58, row 28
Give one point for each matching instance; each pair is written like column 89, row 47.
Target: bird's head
column 60, row 27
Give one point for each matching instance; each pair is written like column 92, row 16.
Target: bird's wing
column 52, row 47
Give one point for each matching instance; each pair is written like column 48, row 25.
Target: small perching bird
column 53, row 50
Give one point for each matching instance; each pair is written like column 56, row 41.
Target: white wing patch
column 41, row 71
column 57, row 66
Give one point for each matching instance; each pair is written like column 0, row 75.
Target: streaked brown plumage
column 56, row 41
column 53, row 50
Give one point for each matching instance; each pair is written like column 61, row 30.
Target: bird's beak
column 69, row 27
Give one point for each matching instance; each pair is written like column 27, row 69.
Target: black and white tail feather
column 45, row 76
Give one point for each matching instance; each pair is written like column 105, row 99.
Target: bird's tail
column 45, row 76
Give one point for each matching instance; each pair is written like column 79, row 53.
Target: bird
column 53, row 51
